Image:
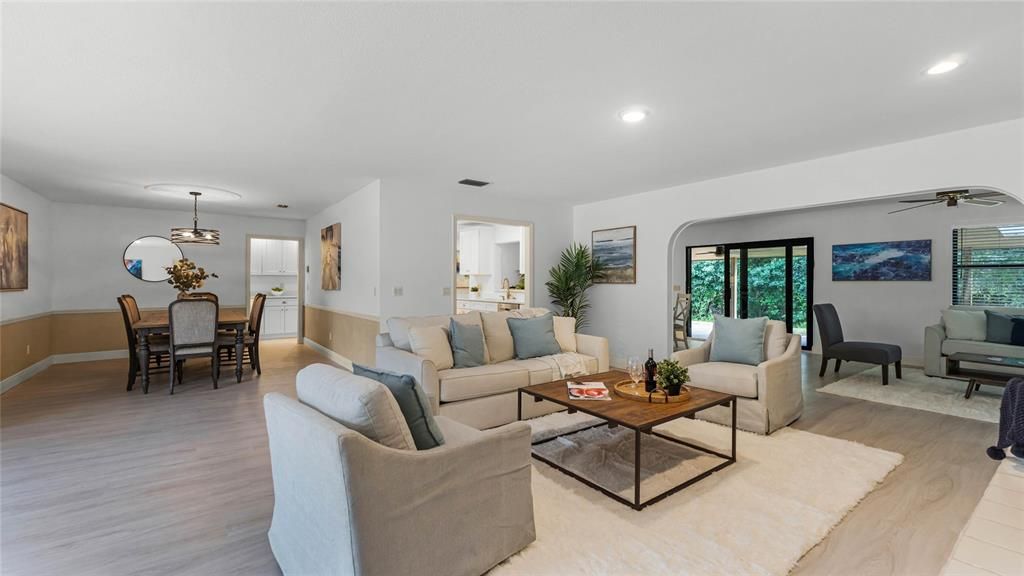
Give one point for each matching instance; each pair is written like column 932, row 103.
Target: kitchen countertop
column 489, row 300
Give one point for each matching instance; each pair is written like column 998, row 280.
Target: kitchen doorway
column 492, row 264
column 274, row 265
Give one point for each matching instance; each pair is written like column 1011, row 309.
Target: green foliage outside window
column 766, row 285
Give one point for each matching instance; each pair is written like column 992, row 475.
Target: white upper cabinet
column 274, row 257
column 475, row 248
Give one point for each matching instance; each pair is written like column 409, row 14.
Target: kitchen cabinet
column 475, row 248
column 280, row 317
column 270, row 257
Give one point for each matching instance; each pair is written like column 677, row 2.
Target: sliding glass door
column 773, row 279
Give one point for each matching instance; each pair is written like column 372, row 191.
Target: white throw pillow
column 358, row 403
column 431, row 342
column 565, row 333
column 776, row 340
column 965, row 324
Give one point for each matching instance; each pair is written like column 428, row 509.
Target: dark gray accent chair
column 834, row 346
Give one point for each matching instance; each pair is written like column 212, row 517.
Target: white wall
column 360, row 217
column 37, row 299
column 636, row 317
column 416, row 240
column 894, row 312
column 89, row 241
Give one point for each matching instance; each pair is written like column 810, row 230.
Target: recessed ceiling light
column 943, row 67
column 634, row 115
column 183, row 190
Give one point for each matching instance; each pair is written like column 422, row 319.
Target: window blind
column 988, row 266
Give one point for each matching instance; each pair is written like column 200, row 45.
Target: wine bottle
column 650, row 370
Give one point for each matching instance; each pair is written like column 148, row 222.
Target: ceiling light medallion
column 634, row 115
column 195, row 234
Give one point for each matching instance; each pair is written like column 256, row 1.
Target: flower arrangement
column 671, row 376
column 186, row 276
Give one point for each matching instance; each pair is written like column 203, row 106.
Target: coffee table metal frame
column 975, row 377
column 638, row 432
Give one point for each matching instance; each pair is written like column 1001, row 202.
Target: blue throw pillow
column 1017, row 334
column 412, row 401
column 534, row 337
column 998, row 327
column 738, row 340
column 467, row 341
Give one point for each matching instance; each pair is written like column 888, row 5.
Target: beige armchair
column 770, row 394
column 346, row 504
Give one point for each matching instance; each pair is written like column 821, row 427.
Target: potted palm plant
column 575, row 273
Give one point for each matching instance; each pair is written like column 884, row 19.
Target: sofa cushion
column 738, row 340
column 964, row 324
column 359, row 403
column 398, row 328
column 545, row 369
column 467, row 342
column 413, row 403
column 776, row 339
column 725, row 377
column 534, row 337
column 498, row 337
column 565, row 333
column 431, row 342
column 950, row 346
column 463, row 383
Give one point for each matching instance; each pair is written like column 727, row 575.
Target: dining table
column 157, row 322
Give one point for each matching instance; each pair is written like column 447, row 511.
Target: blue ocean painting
column 900, row 260
column 616, row 249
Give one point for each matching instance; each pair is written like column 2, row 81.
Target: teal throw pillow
column 534, row 337
column 738, row 340
column 412, row 401
column 998, row 327
column 467, row 342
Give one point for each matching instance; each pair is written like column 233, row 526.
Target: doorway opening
column 492, row 262
column 274, row 266
column 772, row 278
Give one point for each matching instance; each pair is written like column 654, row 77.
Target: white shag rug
column 922, row 392
column 756, row 517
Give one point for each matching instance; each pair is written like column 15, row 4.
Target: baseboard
column 89, row 356
column 15, row 379
column 334, row 356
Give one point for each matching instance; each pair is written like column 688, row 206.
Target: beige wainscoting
column 24, row 342
column 349, row 335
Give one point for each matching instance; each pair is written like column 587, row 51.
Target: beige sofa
column 937, row 345
column 483, row 396
column 770, row 394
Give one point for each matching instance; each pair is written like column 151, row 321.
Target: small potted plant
column 671, row 376
column 186, row 276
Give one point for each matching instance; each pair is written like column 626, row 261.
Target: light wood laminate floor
column 95, row 480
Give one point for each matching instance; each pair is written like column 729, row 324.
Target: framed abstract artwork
column 883, row 261
column 616, row 249
column 330, row 257
column 13, row 248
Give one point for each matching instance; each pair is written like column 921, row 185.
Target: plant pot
column 674, row 389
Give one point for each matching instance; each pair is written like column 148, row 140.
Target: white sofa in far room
column 938, row 344
column 483, row 396
column 770, row 394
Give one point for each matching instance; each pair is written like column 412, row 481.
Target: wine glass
column 636, row 370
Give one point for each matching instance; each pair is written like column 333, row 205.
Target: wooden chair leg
column 824, row 365
column 215, row 369
column 899, row 370
column 838, row 363
column 256, row 354
column 133, row 368
column 885, row 374
column 171, row 374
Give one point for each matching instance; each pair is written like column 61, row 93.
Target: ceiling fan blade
column 981, row 202
column 983, row 194
column 933, row 202
column 915, row 201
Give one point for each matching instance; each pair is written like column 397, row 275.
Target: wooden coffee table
column 641, row 417
column 975, row 376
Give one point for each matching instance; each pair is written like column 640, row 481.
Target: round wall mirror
column 147, row 257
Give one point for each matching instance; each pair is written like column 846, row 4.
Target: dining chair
column 193, row 325
column 251, row 347
column 159, row 346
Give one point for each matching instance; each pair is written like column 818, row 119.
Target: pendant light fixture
column 195, row 234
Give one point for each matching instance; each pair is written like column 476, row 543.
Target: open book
column 588, row 391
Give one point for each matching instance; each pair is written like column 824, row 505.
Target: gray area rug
column 921, row 392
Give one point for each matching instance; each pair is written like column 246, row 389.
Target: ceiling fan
column 952, row 198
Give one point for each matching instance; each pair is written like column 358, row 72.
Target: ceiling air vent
column 471, row 182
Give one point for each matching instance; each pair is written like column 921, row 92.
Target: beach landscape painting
column 13, row 248
column 616, row 249
column 874, row 261
column 330, row 257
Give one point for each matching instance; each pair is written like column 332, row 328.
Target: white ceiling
column 305, row 103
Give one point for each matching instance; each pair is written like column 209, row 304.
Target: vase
column 182, row 295
column 674, row 389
